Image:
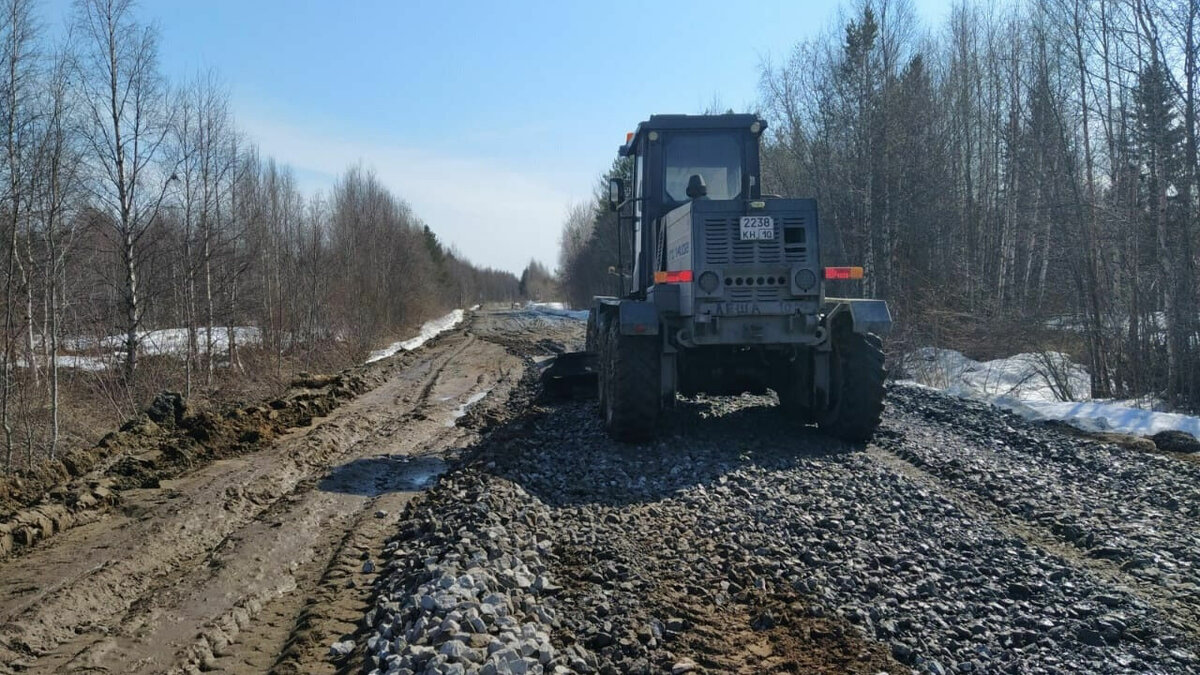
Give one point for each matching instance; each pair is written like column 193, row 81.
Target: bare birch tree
column 122, row 97
column 18, row 92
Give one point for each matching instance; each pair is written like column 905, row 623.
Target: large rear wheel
column 856, row 374
column 630, row 377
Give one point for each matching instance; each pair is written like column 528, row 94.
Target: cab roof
column 690, row 122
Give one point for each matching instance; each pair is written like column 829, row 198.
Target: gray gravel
column 1136, row 509
column 738, row 541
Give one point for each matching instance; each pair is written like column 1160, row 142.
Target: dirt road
column 962, row 539
column 255, row 563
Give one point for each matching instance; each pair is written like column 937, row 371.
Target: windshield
column 715, row 157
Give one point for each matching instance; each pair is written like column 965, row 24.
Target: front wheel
column 630, row 378
column 856, row 375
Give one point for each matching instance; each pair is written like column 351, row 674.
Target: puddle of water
column 462, row 409
column 414, row 473
column 372, row 476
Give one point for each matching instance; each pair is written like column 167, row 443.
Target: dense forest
column 132, row 204
column 1022, row 177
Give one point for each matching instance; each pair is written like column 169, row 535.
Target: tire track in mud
column 328, row 605
column 213, row 545
column 336, row 607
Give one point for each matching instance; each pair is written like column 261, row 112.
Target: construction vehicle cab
column 727, row 292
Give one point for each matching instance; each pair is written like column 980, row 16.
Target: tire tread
column 860, row 398
column 634, row 370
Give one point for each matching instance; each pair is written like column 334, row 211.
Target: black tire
column 794, row 395
column 591, row 342
column 631, row 380
column 598, row 334
column 856, row 382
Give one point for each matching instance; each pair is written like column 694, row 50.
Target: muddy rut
column 254, row 563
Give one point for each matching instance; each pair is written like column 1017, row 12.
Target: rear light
column 676, row 277
column 843, row 272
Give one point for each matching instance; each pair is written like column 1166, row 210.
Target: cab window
column 717, row 158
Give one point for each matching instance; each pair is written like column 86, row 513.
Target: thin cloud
column 494, row 215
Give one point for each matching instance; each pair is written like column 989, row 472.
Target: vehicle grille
column 760, row 294
column 723, row 244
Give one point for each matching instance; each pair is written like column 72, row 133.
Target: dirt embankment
column 164, row 441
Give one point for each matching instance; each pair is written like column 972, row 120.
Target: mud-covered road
column 962, row 540
column 255, row 563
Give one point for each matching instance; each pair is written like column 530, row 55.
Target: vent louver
column 723, row 244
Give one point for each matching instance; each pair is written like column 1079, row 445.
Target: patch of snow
column 1027, row 377
column 914, row 384
column 429, row 330
column 91, row 364
column 557, row 309
column 1105, row 416
column 108, row 350
column 169, row 341
column 1034, row 386
column 462, row 409
column 173, row 341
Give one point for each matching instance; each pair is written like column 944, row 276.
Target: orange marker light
column 843, row 272
column 679, row 277
column 628, row 137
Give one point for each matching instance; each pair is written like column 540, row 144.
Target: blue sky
column 490, row 118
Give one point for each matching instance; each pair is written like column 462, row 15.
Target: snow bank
column 167, row 341
column 557, row 309
column 173, row 341
column 91, row 364
column 1034, row 386
column 1106, row 416
column 1049, row 376
column 101, row 354
column 429, row 330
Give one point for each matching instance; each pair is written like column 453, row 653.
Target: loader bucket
column 571, row 375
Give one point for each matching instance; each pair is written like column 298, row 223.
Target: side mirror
column 616, row 193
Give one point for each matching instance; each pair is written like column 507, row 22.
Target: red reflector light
column 677, row 277
column 843, row 272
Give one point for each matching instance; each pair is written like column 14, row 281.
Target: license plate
column 755, row 228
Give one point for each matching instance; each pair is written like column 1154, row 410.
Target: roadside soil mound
column 161, row 443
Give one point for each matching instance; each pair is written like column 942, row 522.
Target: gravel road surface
column 451, row 520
